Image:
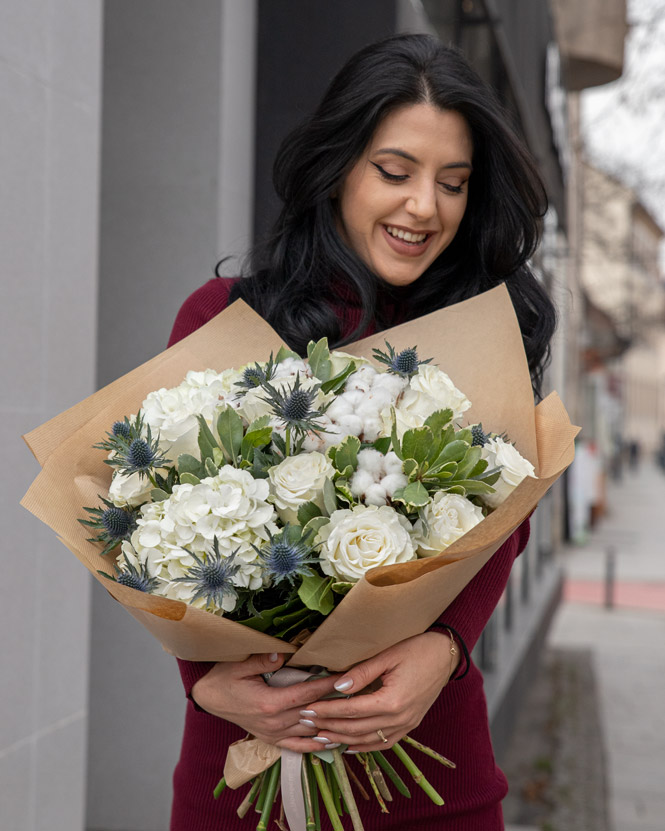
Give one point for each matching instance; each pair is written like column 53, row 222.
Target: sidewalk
column 626, row 643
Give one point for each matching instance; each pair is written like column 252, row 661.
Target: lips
column 407, row 243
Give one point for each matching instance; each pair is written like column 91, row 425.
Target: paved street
column 626, row 642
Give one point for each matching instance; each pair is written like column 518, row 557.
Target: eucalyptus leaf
column 211, row 468
column 329, row 496
column 230, row 431
column 336, row 383
column 158, row 495
column 189, row 479
column 206, row 440
column 342, row 588
column 190, row 464
column 284, row 353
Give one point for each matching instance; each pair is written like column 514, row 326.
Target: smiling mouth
column 408, row 237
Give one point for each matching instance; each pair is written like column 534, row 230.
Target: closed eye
column 452, row 188
column 389, row 177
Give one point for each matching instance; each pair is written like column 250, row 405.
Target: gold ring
column 379, row 733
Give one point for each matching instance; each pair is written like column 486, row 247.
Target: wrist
column 459, row 653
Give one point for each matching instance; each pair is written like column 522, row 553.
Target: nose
column 421, row 201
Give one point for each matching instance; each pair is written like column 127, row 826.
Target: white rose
column 129, row 490
column 448, row 517
column 296, row 480
column 514, row 468
column 356, row 540
column 433, row 382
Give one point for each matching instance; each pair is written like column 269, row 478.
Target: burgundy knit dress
column 456, row 724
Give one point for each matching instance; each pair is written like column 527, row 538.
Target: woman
column 406, row 191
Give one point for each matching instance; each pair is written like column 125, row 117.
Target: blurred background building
column 136, row 147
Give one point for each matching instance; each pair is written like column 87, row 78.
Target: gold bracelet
column 453, row 648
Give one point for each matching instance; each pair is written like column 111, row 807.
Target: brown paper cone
column 477, row 342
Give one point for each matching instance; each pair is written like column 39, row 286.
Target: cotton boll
column 375, row 495
column 372, row 428
column 390, row 383
column 353, row 397
column 339, row 408
column 371, row 460
column 392, row 482
column 392, row 462
column 360, row 482
column 351, row 425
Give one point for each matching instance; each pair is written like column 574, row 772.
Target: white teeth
column 407, row 236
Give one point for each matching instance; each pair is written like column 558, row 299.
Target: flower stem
column 378, row 778
column 377, row 793
column 270, row 792
column 356, row 781
column 345, row 787
column 417, row 774
column 220, row 787
column 307, row 793
column 324, row 790
column 429, row 752
column 287, row 441
column 334, row 790
column 394, row 777
column 246, row 804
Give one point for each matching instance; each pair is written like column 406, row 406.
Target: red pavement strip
column 629, row 594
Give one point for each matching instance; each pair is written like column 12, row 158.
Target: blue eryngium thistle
column 294, row 406
column 114, row 524
column 212, row 577
column 132, row 448
column 480, row 437
column 127, row 574
column 404, row 363
column 288, row 554
column 257, row 375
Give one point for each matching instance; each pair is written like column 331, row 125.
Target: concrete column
column 50, row 58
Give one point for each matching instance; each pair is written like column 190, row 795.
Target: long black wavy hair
column 301, row 268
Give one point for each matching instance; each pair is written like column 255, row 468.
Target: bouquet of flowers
column 286, row 496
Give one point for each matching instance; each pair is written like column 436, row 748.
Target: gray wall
column 49, row 155
column 176, row 175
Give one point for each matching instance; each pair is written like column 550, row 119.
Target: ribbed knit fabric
column 456, row 725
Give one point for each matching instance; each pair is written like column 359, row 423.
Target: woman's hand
column 238, row 693
column 412, row 672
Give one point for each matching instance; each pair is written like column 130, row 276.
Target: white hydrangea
column 447, row 517
column 514, row 468
column 377, row 477
column 231, row 506
column 358, row 539
column 171, row 413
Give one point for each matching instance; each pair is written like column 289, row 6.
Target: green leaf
column 410, row 467
column 308, row 511
column 337, row 382
column 283, row 353
column 329, row 496
column 469, row 462
column 342, row 588
column 416, row 444
column 156, row 494
column 315, row 524
column 473, row 486
column 439, row 420
column 207, row 441
column 452, row 452
column 346, row 455
column 414, row 494
column 189, row 479
column 397, row 447
column 319, row 359
column 263, row 621
column 254, row 438
column 211, row 468
column 190, row 464
column 344, row 491
column 230, row 431
column 262, row 463
column 382, row 444
column 316, row 593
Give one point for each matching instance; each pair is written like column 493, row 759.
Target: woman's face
column 402, row 202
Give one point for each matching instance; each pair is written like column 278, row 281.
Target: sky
column 624, row 122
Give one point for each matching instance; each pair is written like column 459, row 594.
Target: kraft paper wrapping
column 477, row 342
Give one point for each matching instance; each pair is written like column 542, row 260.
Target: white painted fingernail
column 351, row 751
column 343, row 686
column 308, row 712
column 321, row 739
column 273, row 657
column 331, row 745
column 307, row 722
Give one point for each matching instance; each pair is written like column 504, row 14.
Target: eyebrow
column 395, row 151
